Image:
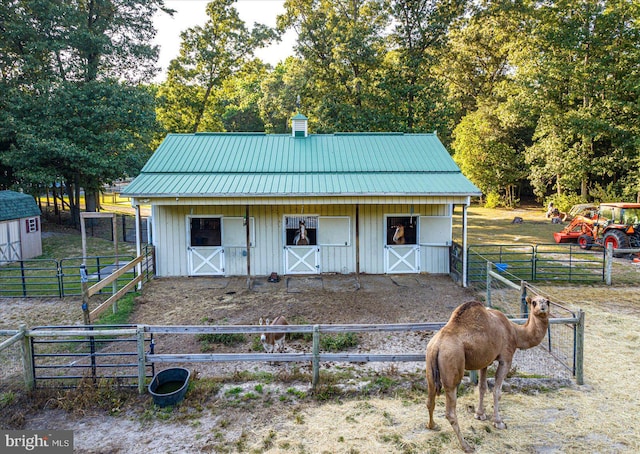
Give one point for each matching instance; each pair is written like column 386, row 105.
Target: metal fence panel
column 29, row 278
column 53, row 278
column 518, row 260
column 568, row 262
column 543, row 262
column 65, row 361
column 97, row 269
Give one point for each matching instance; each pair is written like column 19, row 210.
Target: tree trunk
column 91, row 201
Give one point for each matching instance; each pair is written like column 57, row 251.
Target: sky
column 192, row 12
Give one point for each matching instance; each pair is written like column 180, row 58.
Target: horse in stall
column 398, row 236
column 301, row 237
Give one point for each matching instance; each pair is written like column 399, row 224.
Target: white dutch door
column 301, row 251
column 205, row 253
column 401, row 249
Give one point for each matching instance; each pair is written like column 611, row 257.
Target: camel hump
column 467, row 310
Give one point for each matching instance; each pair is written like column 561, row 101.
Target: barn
column 20, row 237
column 235, row 203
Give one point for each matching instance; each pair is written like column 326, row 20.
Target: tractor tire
column 585, row 241
column 617, row 239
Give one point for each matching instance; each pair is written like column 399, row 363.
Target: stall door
column 301, row 251
column 205, row 253
column 401, row 250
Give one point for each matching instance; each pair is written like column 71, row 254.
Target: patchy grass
column 494, row 226
column 125, row 307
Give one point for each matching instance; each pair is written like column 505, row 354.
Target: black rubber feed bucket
column 169, row 386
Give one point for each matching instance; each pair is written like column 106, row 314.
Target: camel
column 473, row 338
column 398, row 236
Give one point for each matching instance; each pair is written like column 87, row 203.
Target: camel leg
column 452, row 417
column 482, row 389
column 431, row 397
column 501, row 373
column 431, row 405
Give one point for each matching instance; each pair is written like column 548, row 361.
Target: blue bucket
column 502, row 267
column 169, row 386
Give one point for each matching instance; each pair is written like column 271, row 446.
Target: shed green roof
column 250, row 165
column 15, row 205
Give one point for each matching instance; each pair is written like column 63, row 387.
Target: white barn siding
column 433, row 259
column 372, row 237
column 170, row 226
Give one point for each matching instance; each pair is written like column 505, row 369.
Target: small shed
column 20, row 236
column 300, row 203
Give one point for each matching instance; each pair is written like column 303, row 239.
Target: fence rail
column 85, row 348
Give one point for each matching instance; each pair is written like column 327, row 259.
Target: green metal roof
column 250, row 165
column 15, row 205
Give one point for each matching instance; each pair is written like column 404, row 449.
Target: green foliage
column 609, row 193
column 338, row 342
column 492, row 200
column 207, row 341
column 72, row 109
column 535, row 97
column 487, row 149
column 564, row 202
column 7, row 398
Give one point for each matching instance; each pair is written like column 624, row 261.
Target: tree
column 240, row 95
column 74, row 111
column 487, row 149
column 420, row 33
column 280, row 91
column 575, row 68
column 209, row 56
column 341, row 45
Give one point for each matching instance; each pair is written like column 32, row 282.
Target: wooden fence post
column 27, row 359
column 579, row 336
column 316, row 359
column 524, row 308
column 141, row 359
column 84, row 279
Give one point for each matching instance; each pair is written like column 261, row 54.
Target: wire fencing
column 560, row 354
column 38, row 278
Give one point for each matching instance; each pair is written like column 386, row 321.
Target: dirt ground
column 258, row 415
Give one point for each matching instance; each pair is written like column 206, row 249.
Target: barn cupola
column 299, row 126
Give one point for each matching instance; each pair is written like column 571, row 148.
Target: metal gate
column 65, row 360
column 402, row 259
column 205, row 261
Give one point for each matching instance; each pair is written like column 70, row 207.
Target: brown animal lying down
column 473, row 338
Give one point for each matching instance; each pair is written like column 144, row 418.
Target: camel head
column 540, row 306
